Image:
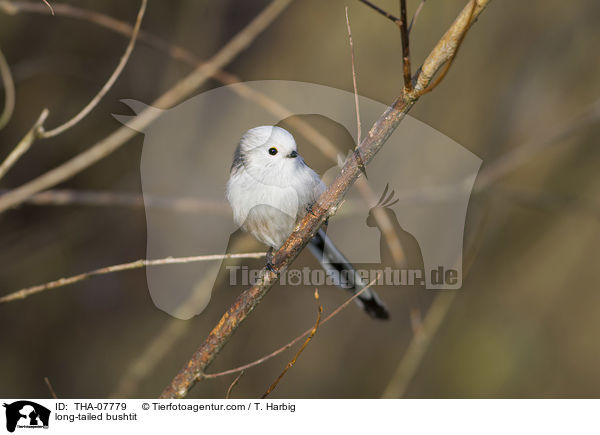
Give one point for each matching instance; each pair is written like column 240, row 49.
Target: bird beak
column 293, row 155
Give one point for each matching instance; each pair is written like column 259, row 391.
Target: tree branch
column 49, row 6
column 26, row 292
column 386, row 14
column 38, row 132
column 9, row 91
column 415, row 16
column 182, row 89
column 405, row 47
column 233, row 384
column 50, row 388
column 444, row 54
column 325, row 207
column 354, row 84
column 295, row 340
column 289, row 365
column 184, row 204
column 24, row 144
column 109, row 83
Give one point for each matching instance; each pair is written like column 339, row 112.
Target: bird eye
column 272, row 151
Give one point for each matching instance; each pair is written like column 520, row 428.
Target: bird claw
column 309, row 209
column 269, row 264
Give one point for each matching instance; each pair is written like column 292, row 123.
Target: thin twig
column 49, row 385
column 180, row 53
column 314, row 137
column 24, row 144
column 181, row 90
column 49, row 5
column 402, row 25
column 62, row 197
column 416, row 15
column 294, row 341
column 23, row 293
column 109, row 83
column 167, row 337
column 233, row 384
column 38, row 132
column 293, row 361
column 354, row 84
column 386, row 14
column 325, row 207
column 9, row 91
column 448, row 54
column 405, row 48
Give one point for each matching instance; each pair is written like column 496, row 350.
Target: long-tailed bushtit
column 271, row 188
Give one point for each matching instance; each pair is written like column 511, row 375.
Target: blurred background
column 525, row 322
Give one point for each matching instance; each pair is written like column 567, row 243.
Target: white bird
column 270, row 189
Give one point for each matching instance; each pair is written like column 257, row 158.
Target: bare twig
column 9, row 91
column 109, row 83
column 23, row 293
column 446, row 54
column 404, row 32
column 293, row 361
column 416, row 15
column 357, row 108
column 182, row 89
column 49, row 385
column 23, row 145
column 49, row 6
column 386, row 14
column 180, row 53
column 233, row 384
column 164, row 340
column 325, row 207
column 38, row 132
column 295, row 340
column 62, row 197
column 405, row 48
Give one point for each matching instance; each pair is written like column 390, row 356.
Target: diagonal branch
column 354, row 84
column 38, row 132
column 415, row 16
column 24, row 144
column 109, row 83
column 325, row 207
column 386, row 14
column 446, row 53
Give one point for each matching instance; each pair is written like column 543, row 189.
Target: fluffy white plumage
column 269, row 191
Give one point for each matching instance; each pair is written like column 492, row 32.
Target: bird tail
column 345, row 276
